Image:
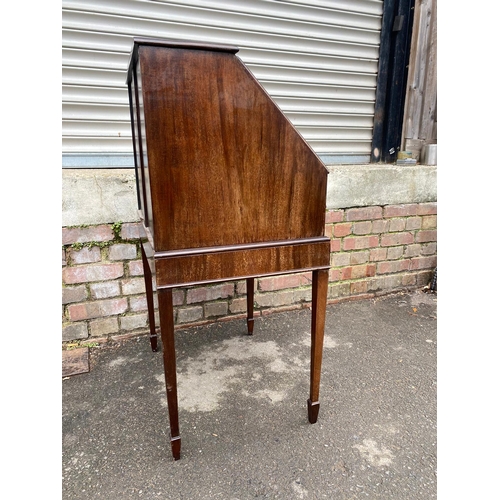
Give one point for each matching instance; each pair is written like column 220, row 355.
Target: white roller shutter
column 317, row 59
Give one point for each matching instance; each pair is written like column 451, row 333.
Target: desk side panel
column 226, row 166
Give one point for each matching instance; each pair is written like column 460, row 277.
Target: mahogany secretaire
column 227, row 188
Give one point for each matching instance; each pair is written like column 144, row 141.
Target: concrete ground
column 243, row 414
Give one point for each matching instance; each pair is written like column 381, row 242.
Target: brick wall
column 374, row 250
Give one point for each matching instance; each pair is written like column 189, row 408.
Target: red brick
column 363, row 271
column 400, row 210
column 341, row 230
column 122, row 251
column 104, row 326
column 364, row 227
column 281, row 282
column 360, row 242
column 377, row 254
column 380, row 226
column 133, row 322
column 394, row 253
column 429, row 248
column 204, row 294
column 274, row 299
column 302, row 295
column 412, row 250
column 334, row 275
column 241, row 287
column 423, row 263
column 75, row 361
column 397, row 225
column 72, row 235
column 409, row 280
column 359, row 257
column 358, row 272
column 427, row 209
column 387, row 282
column 85, row 255
column 338, row 290
column 74, row 331
column 329, row 230
column 429, row 221
column 177, row 297
column 346, row 273
column 359, row 287
column 216, row 309
column 424, row 277
column 425, row 236
column 334, row 216
column 135, row 268
column 335, row 246
column 98, row 272
column 104, row 289
column 190, row 314
column 138, row 303
column 364, row 213
column 413, row 223
column 393, row 239
column 97, row 309
column 131, row 231
column 340, row 259
column 394, row 266
column 133, row 286
column 74, row 294
column 238, row 305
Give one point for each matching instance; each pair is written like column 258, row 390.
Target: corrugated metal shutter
column 317, row 59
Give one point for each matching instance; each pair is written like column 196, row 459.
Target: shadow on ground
column 243, row 413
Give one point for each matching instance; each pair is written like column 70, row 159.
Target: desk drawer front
column 240, row 263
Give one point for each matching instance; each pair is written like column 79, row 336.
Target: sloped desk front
column 227, row 188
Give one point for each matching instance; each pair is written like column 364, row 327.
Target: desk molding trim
column 240, row 247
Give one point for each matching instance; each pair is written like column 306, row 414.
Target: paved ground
column 243, row 411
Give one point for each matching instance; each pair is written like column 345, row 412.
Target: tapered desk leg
column 166, row 309
column 250, row 294
column 148, row 278
column 319, row 294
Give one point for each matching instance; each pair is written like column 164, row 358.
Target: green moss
column 90, row 244
column 76, row 344
column 116, row 227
